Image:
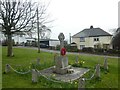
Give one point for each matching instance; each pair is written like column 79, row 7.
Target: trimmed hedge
column 100, row 50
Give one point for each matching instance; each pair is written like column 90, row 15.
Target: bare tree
column 45, row 32
column 116, row 40
column 16, row 16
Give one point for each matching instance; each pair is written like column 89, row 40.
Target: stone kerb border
column 36, row 73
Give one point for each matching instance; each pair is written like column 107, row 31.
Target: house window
column 96, row 39
column 82, row 39
column 96, row 46
column 106, row 46
column 82, row 46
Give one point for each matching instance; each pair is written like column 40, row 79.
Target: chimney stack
column 91, row 27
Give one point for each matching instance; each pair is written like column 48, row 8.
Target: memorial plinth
column 61, row 65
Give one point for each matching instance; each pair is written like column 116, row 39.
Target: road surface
column 75, row 53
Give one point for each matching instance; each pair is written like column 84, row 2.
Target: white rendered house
column 92, row 37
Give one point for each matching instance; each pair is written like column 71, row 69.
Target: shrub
column 71, row 48
column 58, row 47
column 113, row 51
column 99, row 50
column 88, row 49
column 74, row 48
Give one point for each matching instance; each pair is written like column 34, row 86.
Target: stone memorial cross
column 61, row 62
column 61, row 37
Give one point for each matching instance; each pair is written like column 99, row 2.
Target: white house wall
column 106, row 39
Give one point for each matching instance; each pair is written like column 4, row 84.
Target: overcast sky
column 72, row 16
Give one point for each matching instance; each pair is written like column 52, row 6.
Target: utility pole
column 38, row 32
column 70, row 37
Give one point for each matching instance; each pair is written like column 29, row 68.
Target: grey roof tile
column 93, row 32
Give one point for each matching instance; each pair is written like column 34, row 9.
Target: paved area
column 78, row 72
column 54, row 51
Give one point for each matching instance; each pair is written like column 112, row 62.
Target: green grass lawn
column 25, row 57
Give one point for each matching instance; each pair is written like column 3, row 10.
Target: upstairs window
column 82, row 39
column 96, row 39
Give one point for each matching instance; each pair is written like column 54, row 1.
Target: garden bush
column 58, row 47
column 68, row 48
column 99, row 50
column 113, row 51
column 88, row 49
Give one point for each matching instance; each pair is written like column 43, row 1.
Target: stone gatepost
column 76, row 60
column 34, row 76
column 97, row 71
column 105, row 64
column 38, row 61
column 81, row 83
column 7, row 68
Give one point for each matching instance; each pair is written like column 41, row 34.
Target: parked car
column 42, row 45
